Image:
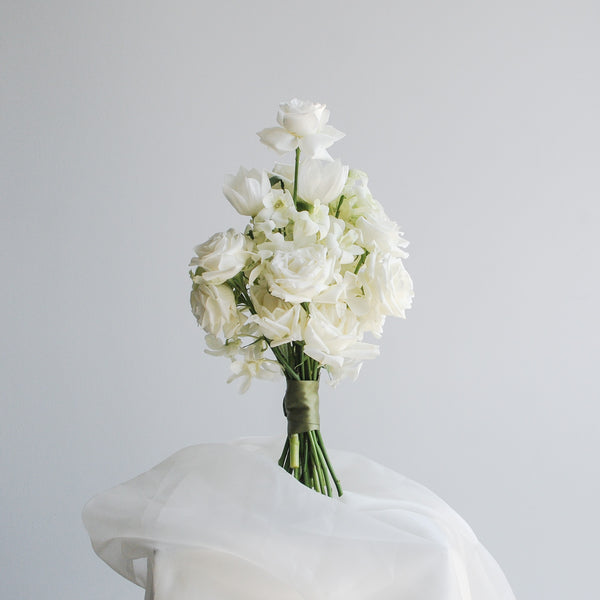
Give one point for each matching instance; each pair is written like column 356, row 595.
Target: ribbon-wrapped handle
column 301, row 406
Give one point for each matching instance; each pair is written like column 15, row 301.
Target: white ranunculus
column 303, row 124
column 246, row 190
column 299, row 274
column 321, row 180
column 286, row 173
column 215, row 309
column 222, row 256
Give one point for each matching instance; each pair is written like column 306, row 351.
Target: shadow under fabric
column 223, row 521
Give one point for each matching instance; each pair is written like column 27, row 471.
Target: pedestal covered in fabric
column 223, row 521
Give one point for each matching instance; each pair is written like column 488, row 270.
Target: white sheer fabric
column 224, row 522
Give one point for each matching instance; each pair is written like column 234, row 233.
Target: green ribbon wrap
column 301, row 406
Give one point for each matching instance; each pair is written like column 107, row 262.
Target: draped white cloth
column 224, row 522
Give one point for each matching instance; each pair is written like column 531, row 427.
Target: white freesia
column 215, row 309
column 311, row 225
column 222, row 256
column 229, row 348
column 303, row 124
column 299, row 274
column 251, row 364
column 277, row 212
column 246, row 190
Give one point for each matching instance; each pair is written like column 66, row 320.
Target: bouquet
column 318, row 267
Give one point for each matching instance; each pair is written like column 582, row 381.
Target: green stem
column 294, row 451
column 361, row 261
column 336, row 481
column 305, row 472
column 295, row 194
column 286, row 448
column 316, row 480
column 323, row 462
column 317, row 468
column 339, row 206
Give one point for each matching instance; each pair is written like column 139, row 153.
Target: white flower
column 333, row 337
column 280, row 322
column 215, row 309
column 229, row 348
column 387, row 285
column 221, row 257
column 321, row 180
column 303, row 124
column 278, row 210
column 246, row 190
column 379, row 232
column 299, row 274
column 251, row 364
column 311, row 225
column 302, row 117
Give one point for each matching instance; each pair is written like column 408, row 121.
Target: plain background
column 478, row 123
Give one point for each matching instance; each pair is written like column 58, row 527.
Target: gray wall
column 478, row 125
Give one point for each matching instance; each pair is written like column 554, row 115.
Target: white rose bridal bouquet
column 318, row 268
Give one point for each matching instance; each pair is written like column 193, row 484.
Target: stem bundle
column 304, row 456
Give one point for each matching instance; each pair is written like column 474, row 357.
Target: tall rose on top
column 304, row 126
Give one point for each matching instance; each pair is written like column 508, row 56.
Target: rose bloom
column 215, row 309
column 303, row 124
column 333, row 337
column 387, row 284
column 280, row 322
column 299, row 274
column 222, row 256
column 302, row 117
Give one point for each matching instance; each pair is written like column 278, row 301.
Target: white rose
column 280, row 322
column 303, row 124
column 379, row 232
column 386, row 284
column 299, row 274
column 302, row 117
column 221, row 257
column 246, row 190
column 215, row 309
column 333, row 336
